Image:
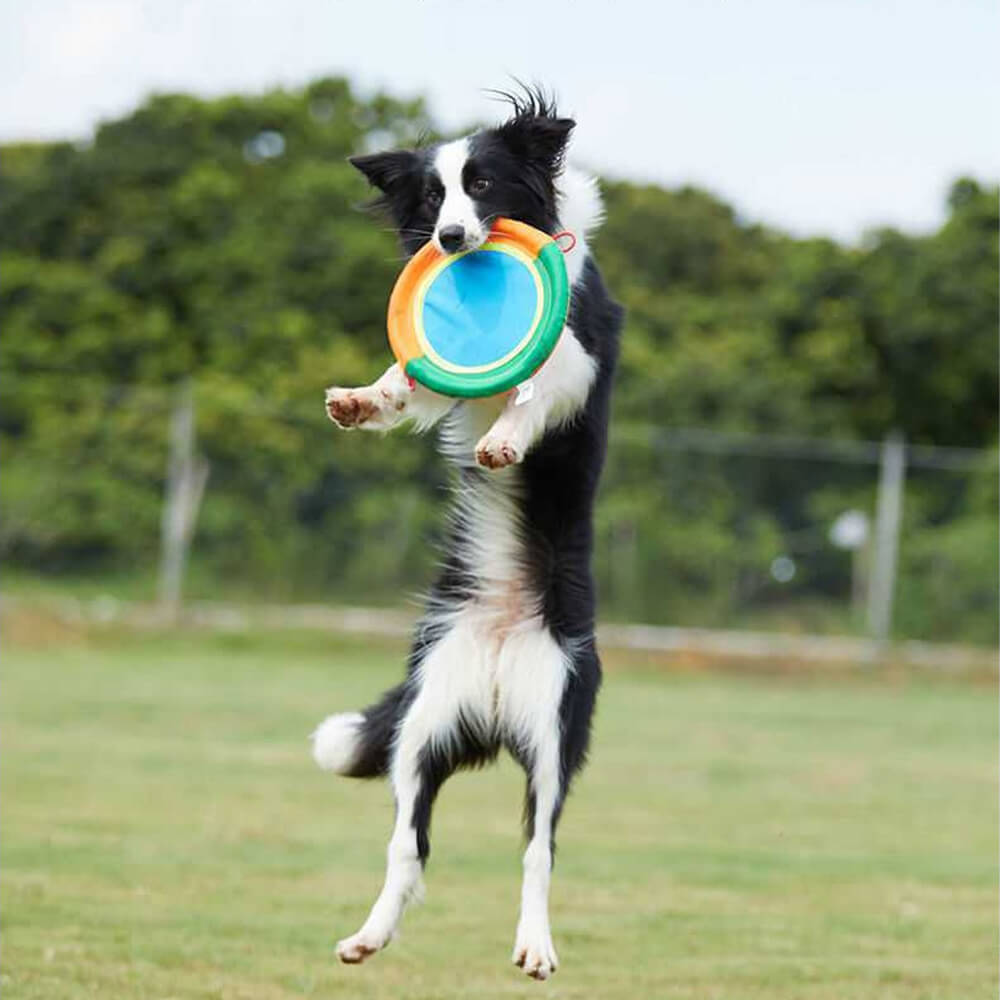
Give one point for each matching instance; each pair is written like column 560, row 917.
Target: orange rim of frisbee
column 534, row 250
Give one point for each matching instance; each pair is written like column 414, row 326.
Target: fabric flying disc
column 480, row 322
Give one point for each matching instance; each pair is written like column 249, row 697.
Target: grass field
column 166, row 835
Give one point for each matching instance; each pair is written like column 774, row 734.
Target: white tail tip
column 335, row 741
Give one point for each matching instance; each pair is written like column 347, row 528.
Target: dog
column 504, row 656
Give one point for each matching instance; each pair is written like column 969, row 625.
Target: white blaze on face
column 457, row 209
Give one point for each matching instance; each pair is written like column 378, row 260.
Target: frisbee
column 481, row 322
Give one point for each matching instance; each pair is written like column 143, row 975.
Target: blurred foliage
column 222, row 240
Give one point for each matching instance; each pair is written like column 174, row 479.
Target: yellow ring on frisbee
column 481, row 322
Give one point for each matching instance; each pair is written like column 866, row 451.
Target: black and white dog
column 504, row 655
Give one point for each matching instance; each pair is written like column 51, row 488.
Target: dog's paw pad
column 497, row 453
column 349, row 407
column 357, row 948
column 538, row 958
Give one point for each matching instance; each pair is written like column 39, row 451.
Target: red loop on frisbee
column 565, row 234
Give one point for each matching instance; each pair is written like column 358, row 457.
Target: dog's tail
column 358, row 744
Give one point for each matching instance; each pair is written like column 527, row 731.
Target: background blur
column 191, row 268
column 802, row 223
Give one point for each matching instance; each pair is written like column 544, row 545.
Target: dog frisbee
column 481, row 322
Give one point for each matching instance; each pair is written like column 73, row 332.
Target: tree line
column 222, row 240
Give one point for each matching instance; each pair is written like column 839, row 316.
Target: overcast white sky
column 816, row 115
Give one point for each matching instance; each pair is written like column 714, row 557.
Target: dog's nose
column 451, row 237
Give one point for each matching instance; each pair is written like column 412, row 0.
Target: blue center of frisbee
column 479, row 308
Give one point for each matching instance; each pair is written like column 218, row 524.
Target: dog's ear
column 387, row 171
column 540, row 138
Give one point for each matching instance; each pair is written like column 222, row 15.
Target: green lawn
column 166, row 835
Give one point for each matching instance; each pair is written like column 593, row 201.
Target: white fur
column 504, row 676
column 561, row 387
column 531, row 671
column 394, row 400
column 403, row 882
column 499, row 670
column 457, row 209
column 451, row 681
column 497, row 666
column 532, row 675
column 533, row 948
column 562, row 384
column 581, row 211
column 335, row 741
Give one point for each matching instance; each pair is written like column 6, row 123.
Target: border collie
column 504, row 655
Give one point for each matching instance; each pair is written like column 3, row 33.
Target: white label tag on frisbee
column 525, row 393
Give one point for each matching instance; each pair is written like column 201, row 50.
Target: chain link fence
column 210, row 491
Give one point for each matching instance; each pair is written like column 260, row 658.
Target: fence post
column 187, row 474
column 888, row 517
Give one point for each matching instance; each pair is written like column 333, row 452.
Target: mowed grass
column 166, row 835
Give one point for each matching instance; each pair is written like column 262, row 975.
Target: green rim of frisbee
column 555, row 306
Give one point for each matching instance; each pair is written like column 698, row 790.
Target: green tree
column 221, row 239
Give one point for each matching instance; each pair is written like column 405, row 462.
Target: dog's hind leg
column 415, row 781
column 442, row 728
column 549, row 692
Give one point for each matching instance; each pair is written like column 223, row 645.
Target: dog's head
column 452, row 192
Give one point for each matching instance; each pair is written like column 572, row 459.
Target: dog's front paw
column 535, row 953
column 350, row 407
column 497, row 452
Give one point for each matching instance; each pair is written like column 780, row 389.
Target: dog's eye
column 434, row 197
column 480, row 185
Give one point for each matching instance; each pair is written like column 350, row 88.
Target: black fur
column 522, row 159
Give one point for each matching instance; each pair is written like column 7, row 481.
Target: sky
column 817, row 116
